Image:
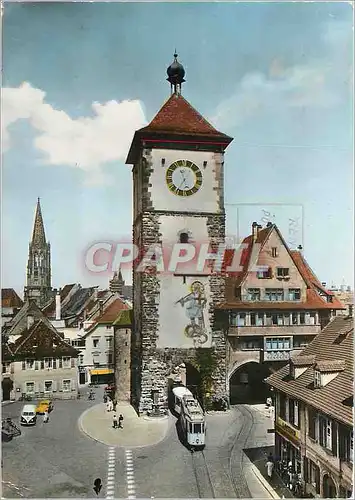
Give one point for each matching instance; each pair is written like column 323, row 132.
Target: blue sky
column 79, row 78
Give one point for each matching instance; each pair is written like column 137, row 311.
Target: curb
column 264, row 482
column 5, row 403
column 81, row 428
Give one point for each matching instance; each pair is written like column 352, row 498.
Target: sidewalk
column 96, row 422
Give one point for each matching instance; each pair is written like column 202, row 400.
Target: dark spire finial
column 176, row 74
column 38, row 234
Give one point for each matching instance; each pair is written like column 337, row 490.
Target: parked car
column 28, row 415
column 45, row 405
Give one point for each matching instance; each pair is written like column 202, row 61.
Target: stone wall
column 122, row 350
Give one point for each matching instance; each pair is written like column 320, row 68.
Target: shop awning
column 101, row 371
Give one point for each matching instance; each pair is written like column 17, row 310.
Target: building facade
column 275, row 306
column 10, row 305
column 38, row 284
column 39, row 364
column 314, row 412
column 178, row 165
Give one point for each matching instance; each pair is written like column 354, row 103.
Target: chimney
column 258, row 228
column 300, row 249
column 101, row 306
column 96, row 291
column 30, row 321
column 57, row 306
column 254, row 231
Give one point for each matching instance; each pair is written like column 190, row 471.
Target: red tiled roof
column 326, row 348
column 9, row 298
column 178, row 116
column 112, row 311
column 236, row 278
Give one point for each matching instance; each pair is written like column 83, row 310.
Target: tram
column 179, row 392
column 192, row 417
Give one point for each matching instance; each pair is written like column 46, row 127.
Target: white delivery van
column 28, row 415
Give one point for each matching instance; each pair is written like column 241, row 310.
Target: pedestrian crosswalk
column 131, row 489
column 110, row 484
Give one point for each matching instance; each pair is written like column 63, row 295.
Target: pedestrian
column 105, row 398
column 45, row 417
column 270, row 458
column 268, row 402
column 114, row 404
column 269, row 468
column 108, row 406
column 111, row 405
column 120, row 420
column 115, row 421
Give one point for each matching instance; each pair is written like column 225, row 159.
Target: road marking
column 131, row 489
column 110, row 483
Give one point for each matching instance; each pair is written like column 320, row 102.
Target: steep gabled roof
column 237, row 278
column 42, row 341
column 9, row 298
column 6, row 352
column 124, row 318
column 326, row 349
column 18, row 324
column 49, row 309
column 109, row 315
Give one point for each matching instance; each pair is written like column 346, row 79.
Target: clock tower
column 178, row 198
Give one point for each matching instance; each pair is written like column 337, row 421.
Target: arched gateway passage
column 246, row 384
column 7, row 386
column 329, row 488
column 188, row 375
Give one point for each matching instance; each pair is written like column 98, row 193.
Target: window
column 249, row 344
column 311, row 319
column 259, row 319
column 109, row 358
column 294, row 294
column 274, row 251
column 312, row 423
column 252, row 319
column 66, row 362
column 30, row 387
column 6, row 367
column 48, row 363
column 286, row 319
column 282, row 272
column 274, row 294
column 108, row 327
column 109, row 342
column 317, row 379
column 351, row 445
column 280, row 319
column 302, row 318
column 325, row 432
column 66, row 385
column 293, row 412
column 95, row 342
column 282, row 409
column 233, row 319
column 241, row 319
column 184, row 238
column 264, row 274
column 197, row 428
column 48, row 386
column 294, row 319
column 277, row 344
column 81, row 359
column 254, row 294
column 30, row 364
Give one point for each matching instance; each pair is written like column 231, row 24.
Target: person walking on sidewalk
column 114, row 404
column 115, row 421
column 120, row 420
column 269, row 467
column 45, row 417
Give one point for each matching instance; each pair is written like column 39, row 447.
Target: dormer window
column 317, row 378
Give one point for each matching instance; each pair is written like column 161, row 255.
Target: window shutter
column 73, row 362
column 54, row 363
column 42, row 364
column 341, row 442
column 60, row 363
column 334, row 438
column 23, row 365
column 36, row 365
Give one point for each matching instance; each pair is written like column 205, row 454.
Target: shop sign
column 287, row 431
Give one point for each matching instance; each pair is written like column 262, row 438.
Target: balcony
column 257, row 331
column 279, row 355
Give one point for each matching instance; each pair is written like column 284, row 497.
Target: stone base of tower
column 159, row 366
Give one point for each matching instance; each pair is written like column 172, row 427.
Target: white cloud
column 313, row 84
column 86, row 142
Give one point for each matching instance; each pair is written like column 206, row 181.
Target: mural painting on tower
column 184, row 313
column 195, row 305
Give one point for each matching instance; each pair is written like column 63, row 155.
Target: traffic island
column 137, row 432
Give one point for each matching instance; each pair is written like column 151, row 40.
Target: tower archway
column 246, row 383
column 329, row 488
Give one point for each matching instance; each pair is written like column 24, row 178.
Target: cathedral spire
column 38, row 235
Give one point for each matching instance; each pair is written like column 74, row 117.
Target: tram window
column 198, row 428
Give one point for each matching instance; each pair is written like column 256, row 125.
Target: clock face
column 183, row 178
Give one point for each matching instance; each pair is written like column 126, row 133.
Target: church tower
column 178, row 191
column 38, row 286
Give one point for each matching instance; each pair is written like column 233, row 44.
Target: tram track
column 202, row 475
